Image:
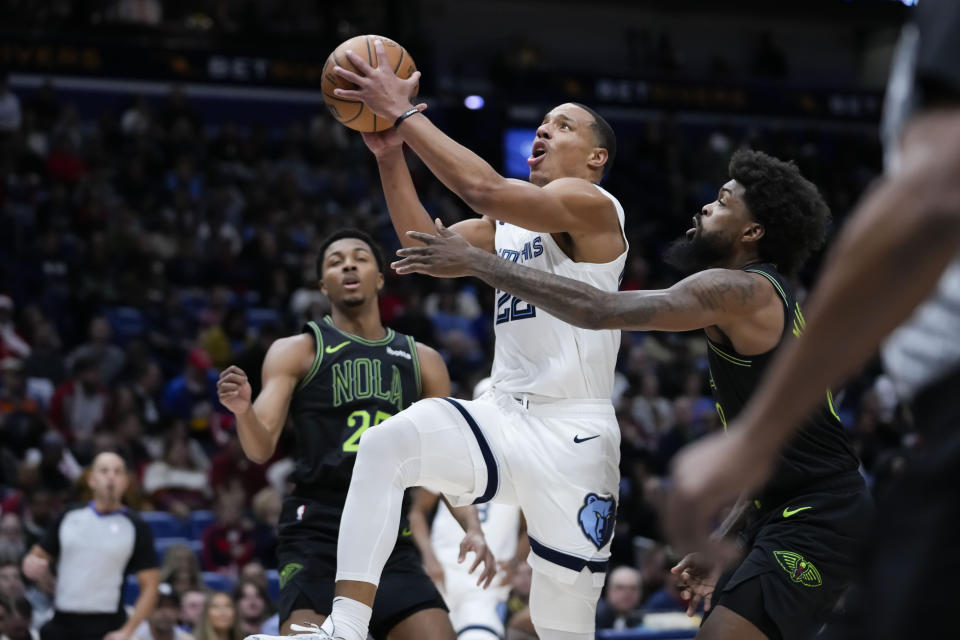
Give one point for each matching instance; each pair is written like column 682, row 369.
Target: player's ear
column 598, row 158
column 380, row 282
column 753, row 232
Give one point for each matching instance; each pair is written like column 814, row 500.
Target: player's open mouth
column 537, row 154
column 351, row 284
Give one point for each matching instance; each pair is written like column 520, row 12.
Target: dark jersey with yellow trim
column 820, row 449
column 353, row 385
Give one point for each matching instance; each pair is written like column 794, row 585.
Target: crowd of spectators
column 144, row 249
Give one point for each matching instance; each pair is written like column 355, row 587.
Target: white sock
column 348, row 620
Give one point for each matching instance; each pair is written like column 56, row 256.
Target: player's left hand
column 697, row 577
column 475, row 541
column 707, row 475
column 383, row 143
column 444, row 255
column 379, row 88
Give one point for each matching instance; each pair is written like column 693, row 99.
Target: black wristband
column 404, row 116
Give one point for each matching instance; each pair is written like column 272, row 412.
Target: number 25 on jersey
column 360, row 420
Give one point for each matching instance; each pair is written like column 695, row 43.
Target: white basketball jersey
column 538, row 354
column 499, row 522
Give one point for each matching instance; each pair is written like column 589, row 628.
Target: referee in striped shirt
column 93, row 548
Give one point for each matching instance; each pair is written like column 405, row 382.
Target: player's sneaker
column 304, row 632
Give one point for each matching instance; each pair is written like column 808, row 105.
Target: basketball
column 353, row 113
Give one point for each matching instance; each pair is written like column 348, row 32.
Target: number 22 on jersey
column 513, row 308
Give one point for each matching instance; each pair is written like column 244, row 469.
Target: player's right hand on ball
column 233, row 390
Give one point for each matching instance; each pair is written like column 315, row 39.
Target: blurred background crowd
column 150, row 237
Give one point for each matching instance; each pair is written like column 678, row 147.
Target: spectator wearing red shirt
column 228, row 544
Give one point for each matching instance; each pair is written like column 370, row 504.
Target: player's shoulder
column 748, row 288
column 295, row 343
column 583, row 196
column 427, row 353
column 291, row 353
column 574, row 186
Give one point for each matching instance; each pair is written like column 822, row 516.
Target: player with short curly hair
column 801, row 531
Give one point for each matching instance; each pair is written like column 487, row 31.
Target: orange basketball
column 354, row 113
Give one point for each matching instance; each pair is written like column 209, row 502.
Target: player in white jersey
column 473, row 610
column 545, row 437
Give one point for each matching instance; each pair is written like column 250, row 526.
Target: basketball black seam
column 397, row 68
column 339, row 99
column 369, row 53
column 356, row 116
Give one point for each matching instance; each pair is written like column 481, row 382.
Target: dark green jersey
column 353, row 385
column 820, row 449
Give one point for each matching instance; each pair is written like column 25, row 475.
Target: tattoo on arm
column 719, row 292
column 693, row 303
column 569, row 300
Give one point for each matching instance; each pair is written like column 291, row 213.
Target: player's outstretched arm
column 424, row 503
column 407, row 213
column 886, row 260
column 260, row 423
column 570, row 205
column 714, row 297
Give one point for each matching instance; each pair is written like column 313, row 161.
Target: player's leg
column 408, row 605
column 725, row 624
column 301, row 617
column 741, row 613
column 437, row 444
column 562, row 611
column 429, row 624
column 568, row 493
column 306, row 557
column 798, row 567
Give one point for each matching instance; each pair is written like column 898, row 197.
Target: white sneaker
column 304, row 632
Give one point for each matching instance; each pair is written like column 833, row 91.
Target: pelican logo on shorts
column 288, row 571
column 798, row 568
column 597, row 517
column 300, row 510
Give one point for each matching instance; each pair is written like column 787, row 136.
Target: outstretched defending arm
column 713, row 297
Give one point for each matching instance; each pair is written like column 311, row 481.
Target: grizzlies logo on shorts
column 597, row 517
